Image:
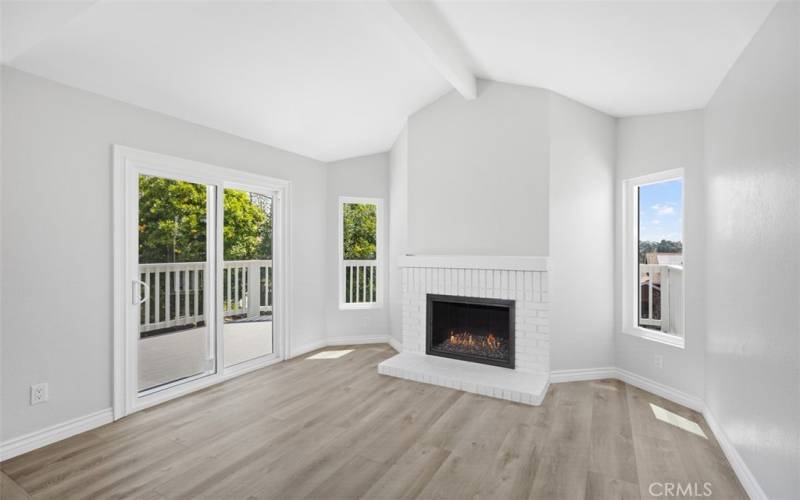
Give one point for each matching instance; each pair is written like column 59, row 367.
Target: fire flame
column 466, row 339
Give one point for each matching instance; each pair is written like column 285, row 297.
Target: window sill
column 662, row 338
column 360, row 307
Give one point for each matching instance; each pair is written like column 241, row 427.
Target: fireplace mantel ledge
column 493, row 262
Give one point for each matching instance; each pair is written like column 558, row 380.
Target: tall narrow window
column 360, row 247
column 654, row 256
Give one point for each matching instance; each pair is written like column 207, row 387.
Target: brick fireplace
column 516, row 285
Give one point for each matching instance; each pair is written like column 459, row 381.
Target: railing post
column 665, row 277
column 268, row 277
column 650, row 294
column 147, row 299
column 167, row 296
column 253, row 289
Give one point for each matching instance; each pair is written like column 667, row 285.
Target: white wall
column 478, row 173
column 57, row 245
column 2, row 239
column 398, row 229
column 582, row 164
column 645, row 145
column 753, row 267
column 366, row 176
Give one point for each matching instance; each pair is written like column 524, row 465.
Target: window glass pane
column 360, row 224
column 175, row 342
column 359, row 245
column 660, row 256
column 247, row 276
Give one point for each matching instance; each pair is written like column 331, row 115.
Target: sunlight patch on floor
column 605, row 385
column 677, row 420
column 330, row 354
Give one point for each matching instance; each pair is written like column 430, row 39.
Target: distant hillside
column 663, row 246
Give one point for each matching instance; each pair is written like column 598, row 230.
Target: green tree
column 663, row 246
column 265, row 204
column 247, row 230
column 360, row 225
column 173, row 222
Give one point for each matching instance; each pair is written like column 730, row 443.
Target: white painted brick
column 528, row 289
column 535, row 320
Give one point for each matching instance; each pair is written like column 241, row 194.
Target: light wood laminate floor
column 335, row 429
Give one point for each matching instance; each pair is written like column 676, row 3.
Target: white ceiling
column 624, row 58
column 332, row 80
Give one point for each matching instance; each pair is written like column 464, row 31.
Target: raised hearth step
column 492, row 381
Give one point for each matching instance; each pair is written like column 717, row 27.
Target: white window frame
column 128, row 163
column 630, row 257
column 379, row 250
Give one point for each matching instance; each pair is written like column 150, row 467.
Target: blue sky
column 661, row 211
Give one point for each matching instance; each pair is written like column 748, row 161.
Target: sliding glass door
column 176, row 340
column 199, row 282
column 247, row 276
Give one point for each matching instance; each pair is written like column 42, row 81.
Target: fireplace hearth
column 507, row 298
column 475, row 329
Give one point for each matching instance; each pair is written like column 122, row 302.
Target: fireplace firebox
column 473, row 329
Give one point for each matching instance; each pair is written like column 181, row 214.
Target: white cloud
column 655, row 221
column 666, row 209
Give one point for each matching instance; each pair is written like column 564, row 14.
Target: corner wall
column 366, row 176
column 398, row 230
column 645, row 145
column 582, row 164
column 752, row 135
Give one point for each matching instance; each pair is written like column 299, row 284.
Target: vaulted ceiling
column 332, row 80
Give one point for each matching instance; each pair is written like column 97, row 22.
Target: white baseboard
column 746, row 477
column 396, row 344
column 58, row 432
column 358, row 339
column 659, row 389
column 557, row 376
column 738, row 464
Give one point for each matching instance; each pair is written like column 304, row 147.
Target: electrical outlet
column 39, row 393
column 658, row 360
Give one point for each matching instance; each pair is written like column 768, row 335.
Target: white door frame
column 128, row 164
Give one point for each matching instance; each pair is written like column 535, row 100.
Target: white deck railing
column 360, row 281
column 175, row 292
column 661, row 297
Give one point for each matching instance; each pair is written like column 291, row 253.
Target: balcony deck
column 171, row 356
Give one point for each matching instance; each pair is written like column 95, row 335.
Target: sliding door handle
column 137, row 295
